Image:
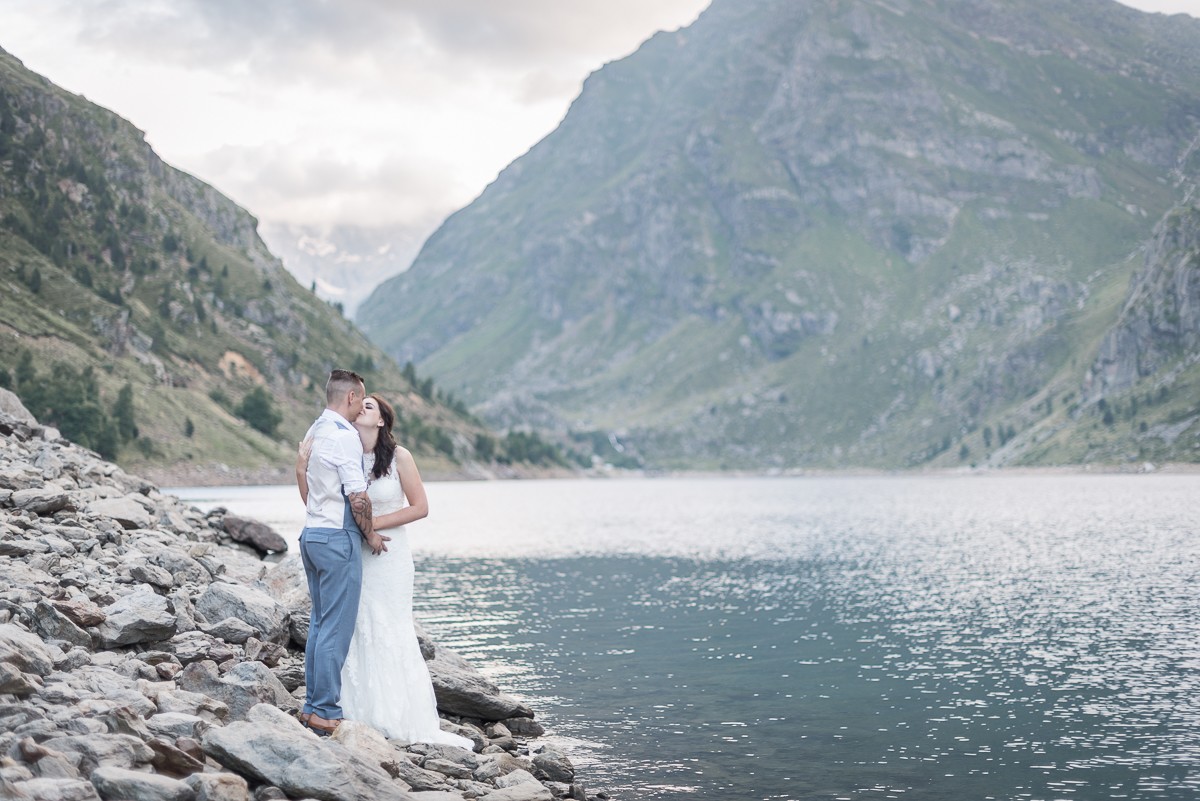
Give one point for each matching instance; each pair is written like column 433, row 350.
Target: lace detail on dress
column 385, row 682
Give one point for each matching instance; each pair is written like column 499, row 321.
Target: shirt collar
column 330, row 414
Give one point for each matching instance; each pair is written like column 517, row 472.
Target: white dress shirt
column 335, row 464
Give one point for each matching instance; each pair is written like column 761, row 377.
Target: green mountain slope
column 806, row 234
column 118, row 270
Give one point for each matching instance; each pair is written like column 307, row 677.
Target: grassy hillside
column 117, row 270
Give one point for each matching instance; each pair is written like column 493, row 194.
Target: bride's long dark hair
column 385, row 445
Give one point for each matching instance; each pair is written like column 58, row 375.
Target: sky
column 377, row 113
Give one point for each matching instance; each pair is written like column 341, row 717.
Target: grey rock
column 152, row 574
column 127, row 512
column 524, row 727
column 119, row 784
column 555, row 765
column 418, row 778
column 462, row 690
column 526, row 791
column 286, row 582
column 41, row 501
column 24, row 651
column 231, row 629
column 16, row 682
column 470, row 732
column 52, row 624
column 450, row 753
column 140, row 616
column 273, row 747
column 290, row 673
column 179, row 701
column 16, row 547
column 447, row 768
column 425, row 642
column 241, row 689
column 519, row 776
column 10, row 405
column 54, row 790
column 95, row 750
column 436, row 795
column 194, row 646
column 255, row 607
column 73, row 659
column 262, row 537
column 178, row 724
column 81, row 612
column 177, row 562
column 492, row 766
column 218, row 787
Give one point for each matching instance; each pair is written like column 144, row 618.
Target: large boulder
column 251, row 532
column 222, row 600
column 41, row 500
column 54, row 625
column 24, row 650
column 11, row 405
column 119, row 784
column 54, row 789
column 140, row 616
column 272, row 747
column 462, row 690
column 288, row 583
column 246, row 685
column 126, row 511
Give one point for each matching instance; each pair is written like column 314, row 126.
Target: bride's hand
column 303, row 452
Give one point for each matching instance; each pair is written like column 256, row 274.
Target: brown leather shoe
column 322, row 726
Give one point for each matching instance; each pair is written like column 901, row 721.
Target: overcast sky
column 376, row 112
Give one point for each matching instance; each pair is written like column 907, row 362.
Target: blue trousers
column 333, row 564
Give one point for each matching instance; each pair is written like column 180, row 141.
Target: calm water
column 858, row 638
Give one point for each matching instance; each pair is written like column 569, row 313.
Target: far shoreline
column 219, row 475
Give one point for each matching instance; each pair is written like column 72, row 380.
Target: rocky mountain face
column 818, row 234
column 139, row 276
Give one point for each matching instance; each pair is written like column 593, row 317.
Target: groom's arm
column 360, row 508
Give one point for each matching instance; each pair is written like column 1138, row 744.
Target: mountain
column 141, row 313
column 344, row 262
column 880, row 233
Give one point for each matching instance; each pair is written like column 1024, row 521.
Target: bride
column 385, row 682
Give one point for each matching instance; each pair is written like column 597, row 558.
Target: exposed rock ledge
column 145, row 653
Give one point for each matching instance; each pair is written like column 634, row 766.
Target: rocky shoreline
column 149, row 652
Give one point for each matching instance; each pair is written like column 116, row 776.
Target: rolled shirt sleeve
column 345, row 455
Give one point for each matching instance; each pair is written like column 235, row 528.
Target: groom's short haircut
column 340, row 382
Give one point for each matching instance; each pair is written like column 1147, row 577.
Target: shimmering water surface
column 829, row 638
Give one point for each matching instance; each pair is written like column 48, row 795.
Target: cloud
column 317, row 188
column 323, row 111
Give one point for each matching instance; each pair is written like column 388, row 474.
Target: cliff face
column 816, row 234
column 1159, row 325
column 116, row 264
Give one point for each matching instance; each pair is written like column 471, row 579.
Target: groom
column 337, row 519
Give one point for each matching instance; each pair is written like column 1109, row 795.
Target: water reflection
column 945, row 641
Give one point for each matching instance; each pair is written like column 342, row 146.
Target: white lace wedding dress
column 385, row 682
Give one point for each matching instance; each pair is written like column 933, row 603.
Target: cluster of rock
column 149, row 651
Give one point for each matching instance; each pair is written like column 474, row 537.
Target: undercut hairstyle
column 340, row 382
column 385, row 444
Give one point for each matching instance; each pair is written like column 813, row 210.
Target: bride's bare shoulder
column 403, row 457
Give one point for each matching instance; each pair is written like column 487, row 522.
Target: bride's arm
column 414, row 490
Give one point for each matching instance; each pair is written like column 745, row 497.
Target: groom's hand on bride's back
column 377, row 543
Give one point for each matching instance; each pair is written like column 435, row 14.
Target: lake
column 965, row 637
